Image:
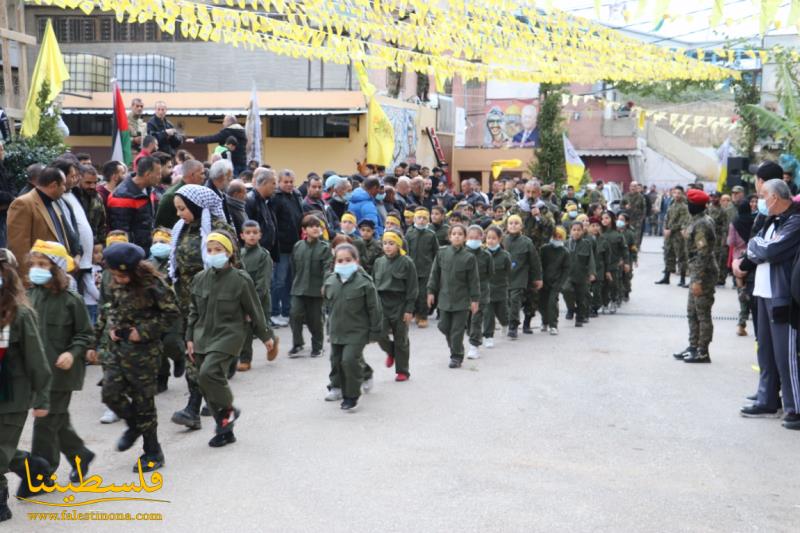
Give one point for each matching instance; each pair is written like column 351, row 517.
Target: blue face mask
column 762, row 207
column 380, row 196
column 217, row 260
column 347, row 196
column 39, row 276
column 573, row 214
column 620, row 224
column 494, row 247
column 473, row 244
column 345, row 270
column 348, row 231
column 160, row 250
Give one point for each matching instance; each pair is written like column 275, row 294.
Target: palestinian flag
column 120, row 134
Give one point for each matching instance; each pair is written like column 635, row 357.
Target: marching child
column 581, row 274
column 439, row 226
column 372, row 248
column 223, row 300
column 311, row 262
column 355, row 320
column 616, row 260
column 422, row 248
column 485, row 273
column 454, row 283
column 257, row 262
column 526, row 270
column 160, row 250
column 555, row 268
column 498, row 286
column 396, row 281
column 631, row 255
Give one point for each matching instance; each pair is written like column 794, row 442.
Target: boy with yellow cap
column 555, row 268
column 422, row 248
column 396, row 281
column 526, row 270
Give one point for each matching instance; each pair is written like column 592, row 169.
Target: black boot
column 38, row 466
column 5, row 512
column 223, row 439
column 179, row 367
column 161, row 385
column 698, row 357
column 683, row 280
column 570, row 314
column 664, row 280
column 86, row 456
column 690, row 351
column 153, row 457
column 512, row 333
column 189, row 416
column 128, row 438
column 526, row 325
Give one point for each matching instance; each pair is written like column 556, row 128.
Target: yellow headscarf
column 56, row 252
column 515, row 217
column 408, row 214
column 111, row 239
column 349, row 217
column 222, row 239
column 394, row 220
column 162, row 235
column 395, row 238
column 422, row 212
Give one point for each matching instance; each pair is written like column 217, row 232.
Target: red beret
column 696, row 196
column 594, row 220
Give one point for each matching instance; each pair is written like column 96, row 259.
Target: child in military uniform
column 311, row 261
column 160, row 250
column 439, row 226
column 582, row 272
column 632, row 255
column 25, row 370
column 455, row 285
column 66, row 332
column 485, row 273
column 257, row 262
column 526, row 270
column 422, row 248
column 372, row 248
column 224, row 299
column 555, row 267
column 616, row 259
column 355, row 320
column 408, row 218
column 393, row 222
column 600, row 250
column 396, row 281
column 498, row 286
column 139, row 310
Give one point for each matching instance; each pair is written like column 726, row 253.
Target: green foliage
column 666, row 91
column 549, row 165
column 43, row 147
column 746, row 92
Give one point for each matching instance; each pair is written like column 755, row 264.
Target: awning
column 223, row 111
column 609, row 153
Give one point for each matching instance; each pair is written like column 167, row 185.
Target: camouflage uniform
column 539, row 230
column 677, row 219
column 720, row 218
column 92, row 205
column 130, row 368
column 172, row 341
column 702, row 246
column 636, row 206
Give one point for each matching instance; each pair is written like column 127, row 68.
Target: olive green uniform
column 526, row 267
column 223, row 301
column 442, row 232
column 396, row 281
column 422, row 248
column 676, row 220
column 600, row 249
column 454, row 282
column 368, row 252
column 354, row 321
column 485, row 272
column 720, row 218
column 555, row 267
column 617, row 252
column 311, row 262
column 539, row 229
column 581, row 266
column 636, row 205
column 26, row 384
column 65, row 327
column 631, row 258
column 702, row 248
column 257, row 262
column 498, row 292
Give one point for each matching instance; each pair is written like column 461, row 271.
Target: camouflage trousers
column 675, row 253
column 129, row 382
column 698, row 310
column 627, row 277
column 744, row 305
column 722, row 262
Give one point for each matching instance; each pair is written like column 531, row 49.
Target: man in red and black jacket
column 132, row 205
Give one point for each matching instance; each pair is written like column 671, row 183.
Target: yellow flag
column 380, row 133
column 642, row 116
column 500, row 164
column 722, row 156
column 49, row 67
column 575, row 167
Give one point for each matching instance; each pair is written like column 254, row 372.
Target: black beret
column 123, row 256
column 367, row 222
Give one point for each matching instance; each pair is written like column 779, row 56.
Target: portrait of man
column 529, row 136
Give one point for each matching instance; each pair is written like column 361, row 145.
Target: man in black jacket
column 230, row 128
column 162, row 129
column 313, row 202
column 132, row 205
column 257, row 208
column 287, row 205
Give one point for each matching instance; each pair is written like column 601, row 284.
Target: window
column 145, row 73
column 335, row 126
column 87, row 73
column 446, row 115
column 88, row 124
column 80, row 29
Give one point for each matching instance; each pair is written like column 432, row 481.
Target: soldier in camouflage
column 702, row 249
column 92, row 203
column 676, row 220
column 140, row 308
column 635, row 205
column 720, row 219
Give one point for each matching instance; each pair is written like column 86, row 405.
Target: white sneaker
column 283, row 320
column 334, row 395
column 488, row 342
column 366, row 386
column 473, row 352
column 553, row 331
column 109, row 417
column 504, row 331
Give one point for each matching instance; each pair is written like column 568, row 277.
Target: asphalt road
column 598, row 429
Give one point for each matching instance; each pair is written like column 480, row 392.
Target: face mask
column 380, row 196
column 620, row 224
column 349, row 231
column 39, row 276
column 556, row 243
column 160, row 250
column 420, row 226
column 762, row 207
column 473, row 244
column 347, row 196
column 573, row 214
column 217, row 260
column 345, row 270
column 494, row 247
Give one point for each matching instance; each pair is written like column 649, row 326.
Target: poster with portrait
column 511, row 124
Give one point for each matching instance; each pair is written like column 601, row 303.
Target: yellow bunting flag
column 499, row 165
column 49, row 67
column 575, row 167
column 722, row 155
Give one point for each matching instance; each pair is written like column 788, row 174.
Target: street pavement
column 597, row 429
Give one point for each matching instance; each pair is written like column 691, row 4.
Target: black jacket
column 259, row 210
column 7, row 190
column 133, row 210
column 234, row 130
column 158, row 129
column 288, row 209
column 330, row 215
